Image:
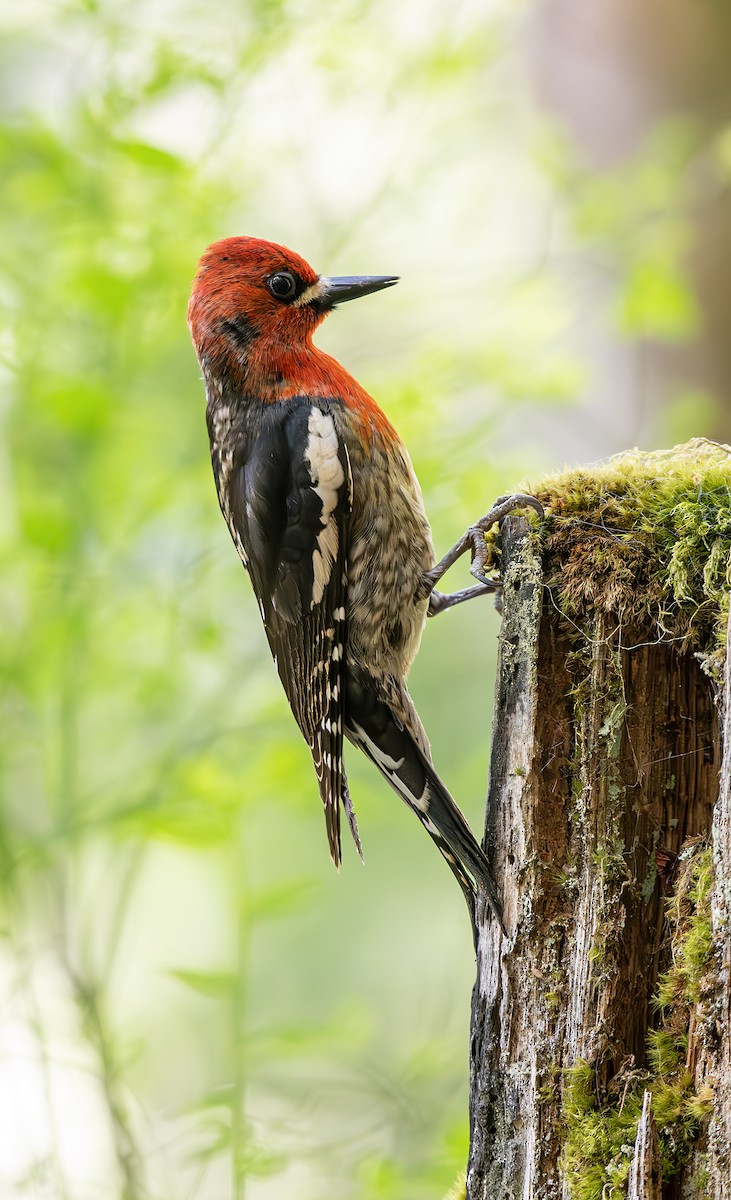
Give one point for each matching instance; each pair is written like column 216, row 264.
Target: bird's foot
column 440, row 602
column 476, row 533
column 474, row 540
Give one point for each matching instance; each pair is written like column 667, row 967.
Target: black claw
column 476, row 533
column 504, row 505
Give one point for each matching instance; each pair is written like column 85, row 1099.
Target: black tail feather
column 352, row 819
column 371, row 725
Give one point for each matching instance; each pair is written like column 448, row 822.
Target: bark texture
column 716, row 1059
column 645, row 1182
column 611, row 757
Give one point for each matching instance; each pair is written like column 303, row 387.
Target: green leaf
column 213, row 984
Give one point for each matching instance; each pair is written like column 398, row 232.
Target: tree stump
column 601, row 1036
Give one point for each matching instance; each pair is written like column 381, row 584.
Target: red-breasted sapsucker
column 326, row 513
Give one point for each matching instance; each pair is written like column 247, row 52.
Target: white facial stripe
column 327, row 476
column 313, row 292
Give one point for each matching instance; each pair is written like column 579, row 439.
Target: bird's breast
column 390, row 548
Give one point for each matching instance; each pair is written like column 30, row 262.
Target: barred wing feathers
column 289, row 504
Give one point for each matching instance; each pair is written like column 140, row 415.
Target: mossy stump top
column 646, row 538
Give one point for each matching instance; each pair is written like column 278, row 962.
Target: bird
column 326, row 513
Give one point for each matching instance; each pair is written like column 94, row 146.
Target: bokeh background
column 193, row 1005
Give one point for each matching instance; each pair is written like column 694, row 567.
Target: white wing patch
column 328, row 476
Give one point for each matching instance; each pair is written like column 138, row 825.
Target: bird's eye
column 283, row 285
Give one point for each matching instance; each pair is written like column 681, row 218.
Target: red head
column 254, row 308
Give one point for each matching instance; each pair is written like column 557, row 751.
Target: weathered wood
column 645, row 1177
column 503, row 1086
column 606, row 754
column 717, row 1035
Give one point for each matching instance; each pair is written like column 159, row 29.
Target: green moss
column 458, row 1190
column 601, row 1123
column 645, row 537
column 700, row 1180
column 689, row 914
column 549, row 1091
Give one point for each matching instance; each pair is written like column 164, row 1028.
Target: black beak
column 338, row 289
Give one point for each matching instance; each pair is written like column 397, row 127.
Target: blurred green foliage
column 194, row 1005
column 638, row 215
